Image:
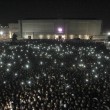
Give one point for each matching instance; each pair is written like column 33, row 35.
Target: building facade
column 53, row 28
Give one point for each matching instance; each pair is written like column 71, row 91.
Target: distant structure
column 53, row 28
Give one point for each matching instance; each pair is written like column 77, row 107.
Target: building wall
column 70, row 28
column 85, row 27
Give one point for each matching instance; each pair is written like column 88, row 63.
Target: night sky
column 12, row 10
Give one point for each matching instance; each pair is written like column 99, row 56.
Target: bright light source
column 7, row 69
column 96, row 76
column 60, row 29
column 108, row 33
column 41, row 36
column 62, row 64
column 4, row 82
column 1, row 32
column 29, row 82
column 22, row 83
column 16, row 74
column 67, row 86
column 41, row 63
column 27, row 66
column 87, row 80
column 9, row 64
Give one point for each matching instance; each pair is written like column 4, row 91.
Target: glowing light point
column 4, row 82
column 93, row 70
column 22, row 83
column 67, row 86
column 9, row 64
column 108, row 33
column 61, row 76
column 73, row 65
column 8, row 70
column 44, row 74
column 60, row 30
column 87, row 80
column 96, row 76
column 62, row 64
column 41, row 63
column 55, row 61
column 29, row 82
column 16, row 74
column 65, row 106
column 1, row 32
column 27, row 66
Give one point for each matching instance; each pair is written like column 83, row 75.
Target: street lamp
column 108, row 33
column 1, row 33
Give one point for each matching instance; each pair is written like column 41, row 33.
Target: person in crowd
column 53, row 75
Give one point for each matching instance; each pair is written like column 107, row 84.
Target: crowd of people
column 54, row 75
